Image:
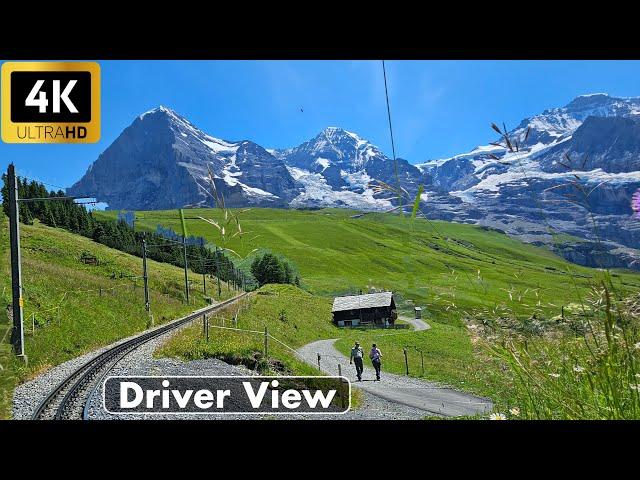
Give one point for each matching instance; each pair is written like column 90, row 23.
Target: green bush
column 269, row 268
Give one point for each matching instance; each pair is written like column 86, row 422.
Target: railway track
column 69, row 400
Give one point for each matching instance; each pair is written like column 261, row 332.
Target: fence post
column 266, row 344
column 204, row 324
column 319, row 362
column 341, row 385
column 406, row 360
column 422, row 362
column 207, row 323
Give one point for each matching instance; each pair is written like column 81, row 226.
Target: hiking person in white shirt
column 375, row 354
column 357, row 354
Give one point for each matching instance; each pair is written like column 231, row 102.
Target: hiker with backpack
column 375, row 355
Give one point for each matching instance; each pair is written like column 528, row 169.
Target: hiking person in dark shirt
column 356, row 356
column 375, row 355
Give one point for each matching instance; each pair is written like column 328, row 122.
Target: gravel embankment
column 28, row 395
column 141, row 362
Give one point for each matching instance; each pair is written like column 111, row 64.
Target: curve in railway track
column 69, row 400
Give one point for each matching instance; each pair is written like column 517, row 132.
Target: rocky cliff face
column 162, row 161
column 574, row 172
column 338, row 168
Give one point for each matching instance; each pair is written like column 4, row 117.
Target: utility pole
column 218, row 274
column 17, row 334
column 204, row 274
column 145, row 277
column 184, row 251
column 266, row 344
column 186, row 274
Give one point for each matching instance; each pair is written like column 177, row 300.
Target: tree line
column 117, row 234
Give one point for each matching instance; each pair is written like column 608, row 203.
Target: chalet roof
column 356, row 302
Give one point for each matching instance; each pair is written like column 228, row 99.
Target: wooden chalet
column 371, row 309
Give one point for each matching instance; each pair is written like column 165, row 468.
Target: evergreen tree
column 269, row 268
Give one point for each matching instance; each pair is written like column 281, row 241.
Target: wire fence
column 41, row 317
column 412, row 365
column 267, row 337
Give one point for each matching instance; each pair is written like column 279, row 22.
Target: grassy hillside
column 297, row 317
column 80, row 307
column 293, row 316
column 447, row 267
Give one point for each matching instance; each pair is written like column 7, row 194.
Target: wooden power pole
column 184, row 251
column 145, row 276
column 17, row 334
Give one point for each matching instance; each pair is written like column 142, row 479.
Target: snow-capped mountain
column 162, row 161
column 575, row 161
column 338, row 168
column 573, row 170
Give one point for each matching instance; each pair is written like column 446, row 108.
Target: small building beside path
column 371, row 309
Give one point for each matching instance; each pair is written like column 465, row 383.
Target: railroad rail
column 70, row 399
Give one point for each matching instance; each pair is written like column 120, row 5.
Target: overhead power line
column 393, row 146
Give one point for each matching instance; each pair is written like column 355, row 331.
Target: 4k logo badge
column 50, row 102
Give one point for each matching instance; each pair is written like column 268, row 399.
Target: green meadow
column 447, row 268
column 453, row 271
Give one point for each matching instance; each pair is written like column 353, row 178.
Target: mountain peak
column 590, row 100
column 332, row 131
column 161, row 109
column 337, row 134
column 588, row 95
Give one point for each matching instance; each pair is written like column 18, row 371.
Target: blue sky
column 439, row 108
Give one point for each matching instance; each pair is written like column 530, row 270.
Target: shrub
column 270, row 268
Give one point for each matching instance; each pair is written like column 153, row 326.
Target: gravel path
column 418, row 324
column 431, row 398
column 141, row 362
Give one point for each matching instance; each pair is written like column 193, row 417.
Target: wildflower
column 578, row 369
column 472, row 327
column 635, row 387
column 636, row 346
column 497, row 416
column 554, row 375
column 515, row 411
